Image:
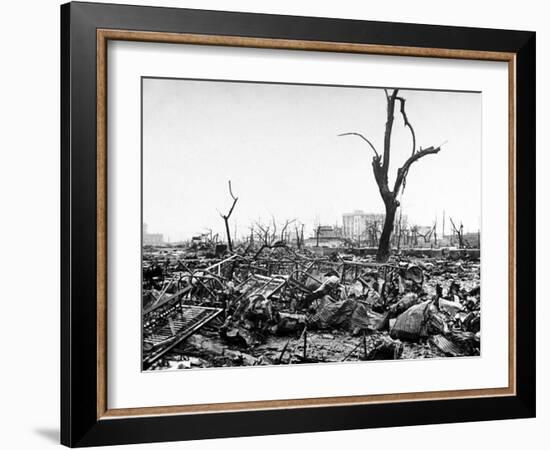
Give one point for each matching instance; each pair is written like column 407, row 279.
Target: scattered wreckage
column 277, row 305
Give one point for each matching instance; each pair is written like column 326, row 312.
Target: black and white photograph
column 289, row 224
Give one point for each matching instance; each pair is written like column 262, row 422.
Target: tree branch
column 234, row 202
column 364, row 138
column 407, row 123
column 387, row 134
column 264, row 235
column 287, row 223
column 404, row 170
column 231, row 191
column 381, row 180
column 454, row 226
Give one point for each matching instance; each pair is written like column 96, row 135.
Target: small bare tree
column 381, row 165
column 462, row 243
column 264, row 233
column 226, row 217
column 427, row 236
column 299, row 235
column 284, row 234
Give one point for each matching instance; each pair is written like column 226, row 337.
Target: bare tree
column 399, row 230
column 285, row 226
column 207, row 236
column 428, row 235
column 264, row 233
column 299, row 235
column 381, row 164
column 462, row 243
column 372, row 233
column 414, row 232
column 226, row 217
column 251, row 238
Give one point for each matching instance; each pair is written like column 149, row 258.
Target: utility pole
column 435, row 231
column 399, row 230
column 443, row 226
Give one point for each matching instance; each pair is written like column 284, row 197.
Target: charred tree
column 226, row 217
column 317, row 232
column 381, row 165
column 299, row 235
column 284, row 234
column 459, row 233
column 263, row 233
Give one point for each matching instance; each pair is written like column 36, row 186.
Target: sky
column 279, row 146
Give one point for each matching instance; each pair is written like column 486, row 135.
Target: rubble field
column 280, row 305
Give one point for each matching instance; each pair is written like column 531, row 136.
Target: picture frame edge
column 82, row 425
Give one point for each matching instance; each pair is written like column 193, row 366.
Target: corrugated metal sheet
column 446, row 346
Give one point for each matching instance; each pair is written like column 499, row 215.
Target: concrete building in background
column 152, row 238
column 357, row 224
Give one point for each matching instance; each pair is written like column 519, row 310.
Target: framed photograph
column 277, row 224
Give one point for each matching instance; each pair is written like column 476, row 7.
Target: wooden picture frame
column 86, row 418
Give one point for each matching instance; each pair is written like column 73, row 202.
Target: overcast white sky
column 279, row 146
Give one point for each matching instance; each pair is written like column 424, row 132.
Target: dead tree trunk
column 459, row 232
column 380, row 167
column 285, row 226
column 383, row 252
column 226, row 217
column 318, row 230
column 299, row 236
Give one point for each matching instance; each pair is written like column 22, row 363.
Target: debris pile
column 280, row 305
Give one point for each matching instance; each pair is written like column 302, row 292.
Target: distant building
column 152, row 238
column 356, row 225
column 327, row 236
